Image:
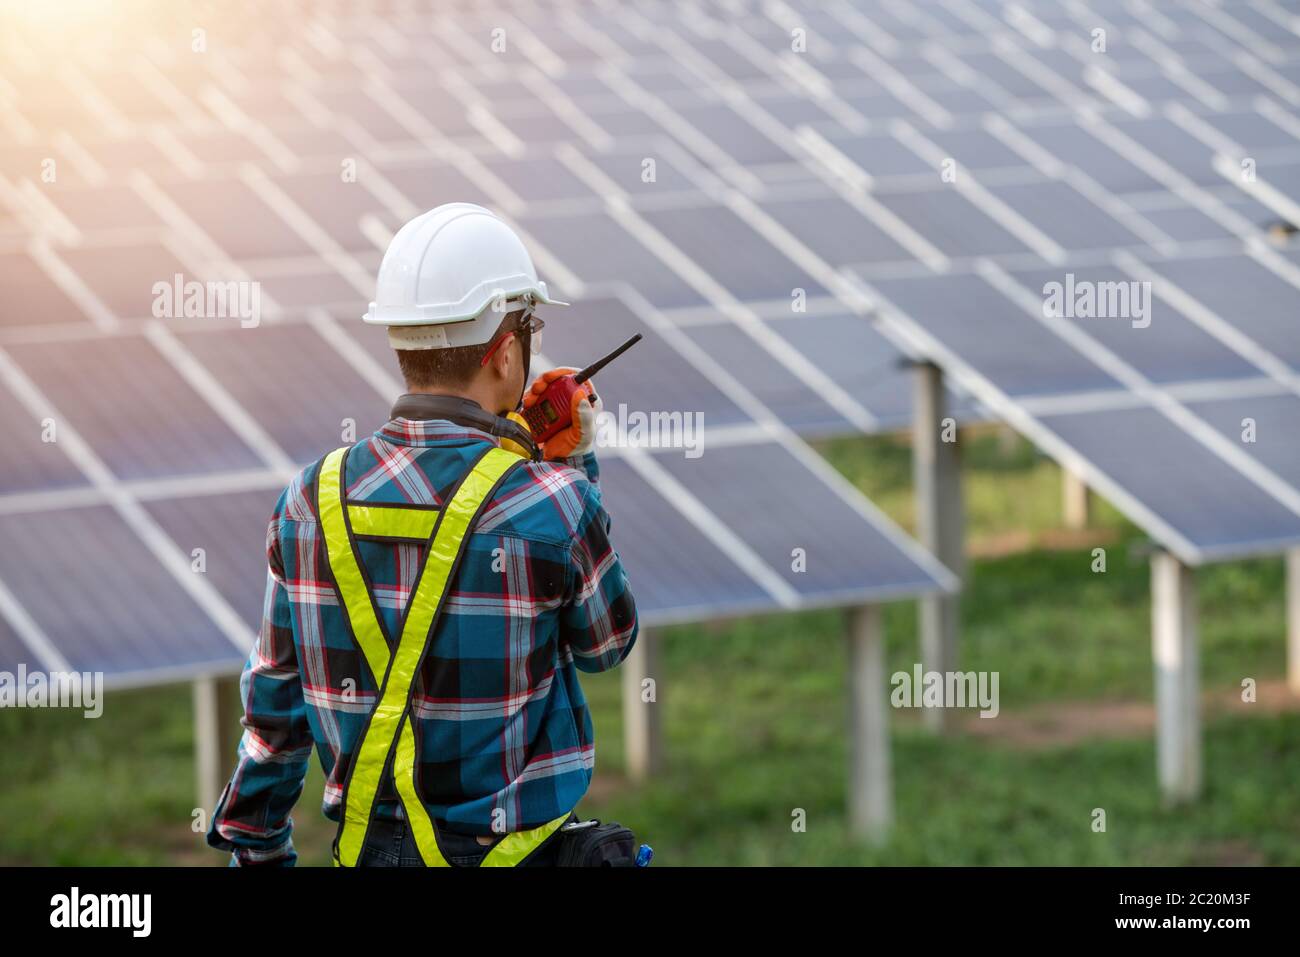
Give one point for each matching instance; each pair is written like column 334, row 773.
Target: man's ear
column 503, row 359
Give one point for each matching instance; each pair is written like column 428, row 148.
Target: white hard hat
column 442, row 274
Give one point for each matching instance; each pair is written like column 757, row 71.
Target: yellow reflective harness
column 387, row 736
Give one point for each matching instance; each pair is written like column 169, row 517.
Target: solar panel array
column 282, row 147
column 781, row 195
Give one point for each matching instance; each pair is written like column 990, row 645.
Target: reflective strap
column 513, row 848
column 389, row 521
column 345, row 567
column 426, row 840
column 381, row 735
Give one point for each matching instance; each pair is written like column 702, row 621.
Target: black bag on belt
column 593, row 844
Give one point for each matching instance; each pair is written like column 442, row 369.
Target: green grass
column 754, row 715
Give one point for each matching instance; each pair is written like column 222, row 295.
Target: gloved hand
column 579, row 437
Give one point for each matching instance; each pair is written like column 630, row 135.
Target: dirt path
column 1071, row 722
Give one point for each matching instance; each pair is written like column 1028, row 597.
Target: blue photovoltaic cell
column 835, row 231
column 793, row 111
column 1253, row 298
column 746, row 264
column 847, row 557
column 1251, row 131
column 1165, row 346
column 293, row 382
column 231, row 530
column 767, row 378
column 433, row 184
column 103, row 598
column 1065, row 215
column 595, row 248
column 218, row 146
column 994, row 335
column 627, row 123
column 652, row 377
column 379, row 123
column 880, row 154
column 32, row 296
column 737, row 137
column 976, row 149
column 1156, row 88
column 236, row 219
column 539, row 178
column 318, row 285
column 993, row 68
column 860, row 360
column 94, row 208
column 951, row 223
column 628, row 171
column 1179, row 479
column 1282, row 178
column 674, row 571
column 133, row 408
column 1185, row 224
column 31, row 464
column 337, row 206
column 1273, row 436
column 123, row 277
column 1172, row 145
column 13, row 652
column 1075, row 146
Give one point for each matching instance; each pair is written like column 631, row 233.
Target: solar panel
column 109, row 390
column 1077, row 146
column 746, row 264
column 1066, row 216
column 32, row 462
column 29, row 292
column 1164, row 345
column 598, row 249
column 819, row 546
column 973, row 319
column 242, row 152
column 1253, row 297
column 837, row 232
column 222, row 527
column 104, row 601
column 952, row 222
column 123, row 277
column 1200, row 496
column 279, row 374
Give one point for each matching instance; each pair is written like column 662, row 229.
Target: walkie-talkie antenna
column 599, row 364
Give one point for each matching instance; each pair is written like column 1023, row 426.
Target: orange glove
column 579, row 437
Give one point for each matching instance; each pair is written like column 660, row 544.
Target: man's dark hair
column 430, row 368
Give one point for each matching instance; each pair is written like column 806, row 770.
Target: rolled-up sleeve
column 251, row 818
column 599, row 623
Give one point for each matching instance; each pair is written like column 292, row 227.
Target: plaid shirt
column 500, row 720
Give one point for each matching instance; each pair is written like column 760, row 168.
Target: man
column 432, row 595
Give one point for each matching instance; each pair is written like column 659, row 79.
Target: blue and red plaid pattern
column 501, row 725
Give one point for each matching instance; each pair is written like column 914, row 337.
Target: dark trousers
column 390, row 843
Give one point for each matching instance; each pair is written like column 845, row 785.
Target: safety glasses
column 529, row 331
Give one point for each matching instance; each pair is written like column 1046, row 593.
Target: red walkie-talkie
column 551, row 413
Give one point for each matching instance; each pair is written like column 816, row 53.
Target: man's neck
column 479, row 397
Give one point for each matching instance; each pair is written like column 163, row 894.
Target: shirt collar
column 404, row 428
column 418, row 432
